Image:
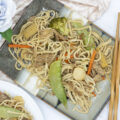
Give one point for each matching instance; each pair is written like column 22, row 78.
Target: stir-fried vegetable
column 94, row 94
column 7, row 113
column 77, row 25
column 56, row 82
column 84, row 35
column 18, row 46
column 103, row 61
column 91, row 62
column 30, row 31
column 19, row 99
column 60, row 25
column 89, row 43
column 79, row 74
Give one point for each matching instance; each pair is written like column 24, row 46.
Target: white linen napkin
column 90, row 9
column 20, row 7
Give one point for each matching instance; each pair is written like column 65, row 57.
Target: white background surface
column 108, row 23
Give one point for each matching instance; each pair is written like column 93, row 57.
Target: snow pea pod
column 56, row 81
column 7, row 113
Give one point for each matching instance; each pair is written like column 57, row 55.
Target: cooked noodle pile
column 47, row 45
column 17, row 103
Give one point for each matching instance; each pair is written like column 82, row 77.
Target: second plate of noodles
column 68, row 57
column 13, row 108
column 16, row 104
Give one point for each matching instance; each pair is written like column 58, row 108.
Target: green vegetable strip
column 56, row 82
column 7, row 113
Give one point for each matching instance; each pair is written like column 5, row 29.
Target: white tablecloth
column 108, row 23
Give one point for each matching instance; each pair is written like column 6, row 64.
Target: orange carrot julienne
column 67, row 61
column 18, row 46
column 66, row 54
column 71, row 56
column 94, row 94
column 71, row 50
column 71, row 44
column 91, row 62
column 103, row 77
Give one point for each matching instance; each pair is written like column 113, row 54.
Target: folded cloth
column 7, row 11
column 20, row 7
column 90, row 9
column 5, row 77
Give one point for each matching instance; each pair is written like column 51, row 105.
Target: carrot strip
column 66, row 54
column 94, row 94
column 103, row 77
column 18, row 46
column 91, row 62
column 71, row 50
column 71, row 56
column 56, row 58
column 72, row 44
column 67, row 61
